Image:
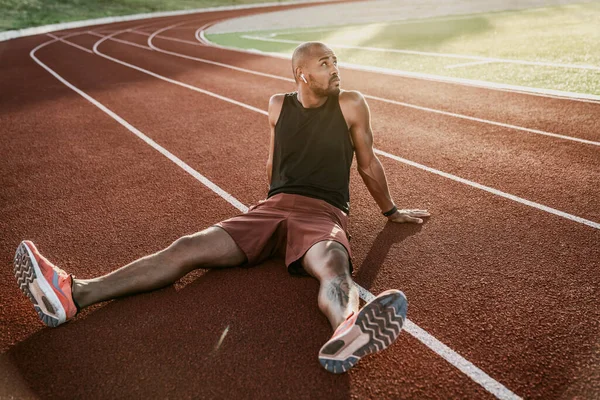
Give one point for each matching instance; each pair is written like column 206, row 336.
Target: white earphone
column 303, row 78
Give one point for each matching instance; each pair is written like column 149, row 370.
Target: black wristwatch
column 390, row 212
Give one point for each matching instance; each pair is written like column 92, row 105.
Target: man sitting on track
column 314, row 134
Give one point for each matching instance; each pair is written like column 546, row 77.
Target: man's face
column 322, row 72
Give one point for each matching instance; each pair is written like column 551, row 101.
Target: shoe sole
column 377, row 326
column 34, row 285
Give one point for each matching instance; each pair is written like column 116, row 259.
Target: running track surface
column 512, row 288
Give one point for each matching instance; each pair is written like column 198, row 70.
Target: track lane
column 532, row 111
column 89, row 231
column 28, row 349
column 562, row 177
column 214, row 15
column 583, row 117
column 516, row 128
column 278, row 65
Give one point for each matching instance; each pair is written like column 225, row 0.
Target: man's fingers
column 420, row 213
column 412, row 216
column 408, row 218
column 416, row 213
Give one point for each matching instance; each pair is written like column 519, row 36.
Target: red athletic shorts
column 287, row 225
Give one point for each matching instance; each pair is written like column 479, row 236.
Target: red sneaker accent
column 47, row 286
column 347, row 324
column 375, row 327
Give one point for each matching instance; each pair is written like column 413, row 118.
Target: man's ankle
column 77, row 293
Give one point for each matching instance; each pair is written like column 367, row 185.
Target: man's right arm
column 275, row 105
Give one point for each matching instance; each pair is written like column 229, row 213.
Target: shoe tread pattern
column 382, row 320
column 338, row 366
column 25, row 274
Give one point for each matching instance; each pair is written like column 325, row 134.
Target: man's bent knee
column 327, row 261
column 336, row 262
column 212, row 247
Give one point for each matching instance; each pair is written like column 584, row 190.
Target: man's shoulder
column 351, row 99
column 277, row 99
column 351, row 96
column 275, row 106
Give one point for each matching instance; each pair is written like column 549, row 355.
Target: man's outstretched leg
column 56, row 295
column 357, row 333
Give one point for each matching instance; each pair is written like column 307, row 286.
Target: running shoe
column 372, row 329
column 47, row 286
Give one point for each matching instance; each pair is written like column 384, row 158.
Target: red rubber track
column 511, row 288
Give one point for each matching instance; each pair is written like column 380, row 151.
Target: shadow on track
column 164, row 344
column 390, row 235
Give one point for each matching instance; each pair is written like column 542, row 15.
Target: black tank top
column 313, row 152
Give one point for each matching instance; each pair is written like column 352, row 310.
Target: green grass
column 17, row 14
column 565, row 34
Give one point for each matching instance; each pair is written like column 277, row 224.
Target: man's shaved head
column 315, row 69
column 305, row 52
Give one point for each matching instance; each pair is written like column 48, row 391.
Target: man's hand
column 412, row 216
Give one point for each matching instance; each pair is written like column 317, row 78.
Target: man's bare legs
column 370, row 330
column 210, row 248
column 338, row 297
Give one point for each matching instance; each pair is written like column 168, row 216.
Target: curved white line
column 488, row 189
column 164, row 78
column 205, row 181
column 549, row 93
column 153, row 47
column 432, row 54
column 120, row 41
column 173, row 39
column 409, row 105
column 62, row 39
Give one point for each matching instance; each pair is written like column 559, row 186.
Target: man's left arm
column 369, row 166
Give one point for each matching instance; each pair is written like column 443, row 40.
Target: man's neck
column 310, row 100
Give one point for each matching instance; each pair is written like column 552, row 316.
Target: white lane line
column 433, row 54
column 400, row 159
column 183, row 28
column 468, row 368
column 151, row 45
column 467, row 64
column 121, row 41
column 170, row 38
column 199, row 34
column 205, row 181
column 451, row 356
column 62, row 39
column 493, row 191
column 489, row 122
column 164, row 78
column 409, row 105
column 503, row 87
